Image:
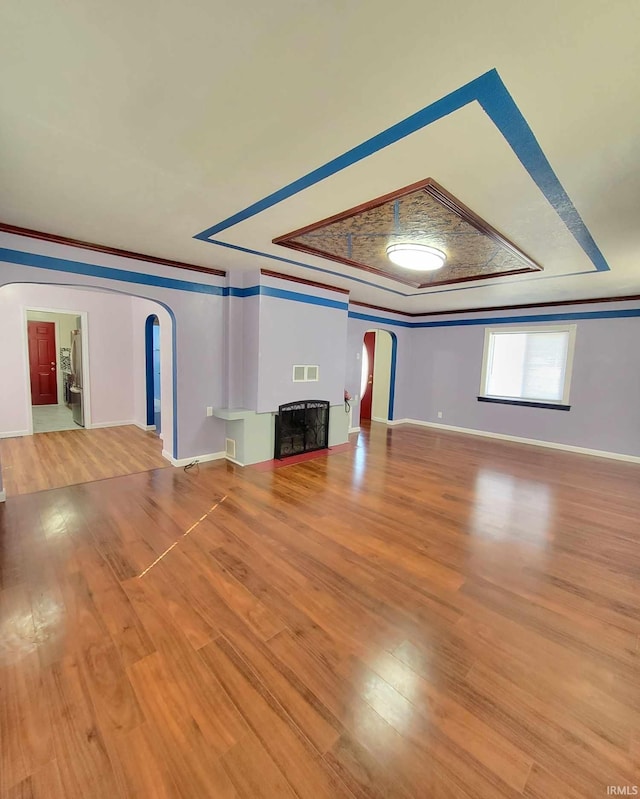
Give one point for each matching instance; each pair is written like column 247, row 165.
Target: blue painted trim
column 108, row 273
column 174, row 378
column 392, row 374
column 293, row 296
column 501, row 320
column 251, row 291
column 503, row 111
column 148, row 355
column 365, row 317
column 492, row 95
column 433, row 112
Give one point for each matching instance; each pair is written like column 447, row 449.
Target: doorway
column 54, row 348
column 377, row 388
column 152, row 364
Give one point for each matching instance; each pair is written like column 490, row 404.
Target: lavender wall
column 294, row 332
column 605, row 388
column 199, row 324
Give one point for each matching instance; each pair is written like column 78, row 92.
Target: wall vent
column 231, row 447
column 306, row 373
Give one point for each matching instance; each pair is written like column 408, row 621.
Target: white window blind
column 528, row 364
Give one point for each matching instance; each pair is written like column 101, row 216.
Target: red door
column 42, row 363
column 367, row 396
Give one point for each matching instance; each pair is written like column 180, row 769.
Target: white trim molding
column 598, row 453
column 15, row 433
column 3, row 496
column 96, row 425
column 145, row 427
column 355, row 429
column 211, row 456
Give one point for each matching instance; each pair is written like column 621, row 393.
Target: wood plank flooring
column 426, row 615
column 63, row 458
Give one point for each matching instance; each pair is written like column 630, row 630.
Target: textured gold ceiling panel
column 423, row 213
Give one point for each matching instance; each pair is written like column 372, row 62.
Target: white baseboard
column 15, row 433
column 145, row 427
column 211, row 456
column 598, row 453
column 354, row 430
column 96, row 425
column 233, row 460
column 379, row 419
column 3, row 496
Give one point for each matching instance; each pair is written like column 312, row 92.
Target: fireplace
column 301, row 427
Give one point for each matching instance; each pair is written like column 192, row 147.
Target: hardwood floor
column 63, row 458
column 426, row 615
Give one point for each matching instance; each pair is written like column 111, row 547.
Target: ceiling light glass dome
column 417, row 257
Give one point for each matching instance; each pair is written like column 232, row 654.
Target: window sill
column 555, row 406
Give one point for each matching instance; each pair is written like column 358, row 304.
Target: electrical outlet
column 439, row 414
column 209, row 410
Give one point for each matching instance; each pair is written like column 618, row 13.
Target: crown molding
column 304, row 281
column 554, row 304
column 88, row 245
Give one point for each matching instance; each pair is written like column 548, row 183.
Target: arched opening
column 15, row 412
column 377, row 390
column 152, row 372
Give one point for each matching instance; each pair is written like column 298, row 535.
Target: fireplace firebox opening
column 301, row 427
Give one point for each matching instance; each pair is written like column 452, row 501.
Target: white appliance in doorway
column 76, row 389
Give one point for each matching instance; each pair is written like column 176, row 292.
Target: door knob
column 53, row 363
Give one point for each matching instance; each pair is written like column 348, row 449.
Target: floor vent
column 231, row 447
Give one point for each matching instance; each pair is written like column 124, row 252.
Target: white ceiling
column 139, row 125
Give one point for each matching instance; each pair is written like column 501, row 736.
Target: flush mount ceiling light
column 417, row 257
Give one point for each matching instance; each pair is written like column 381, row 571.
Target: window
column 528, row 365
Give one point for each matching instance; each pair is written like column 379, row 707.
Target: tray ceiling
column 139, row 126
column 426, row 214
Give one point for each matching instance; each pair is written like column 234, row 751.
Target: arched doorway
column 16, row 416
column 152, row 372
column 377, row 388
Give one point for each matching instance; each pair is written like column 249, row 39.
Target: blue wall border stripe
column 107, row 272
column 625, row 313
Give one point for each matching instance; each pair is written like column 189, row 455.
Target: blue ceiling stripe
column 441, row 108
column 494, row 98
column 502, row 109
